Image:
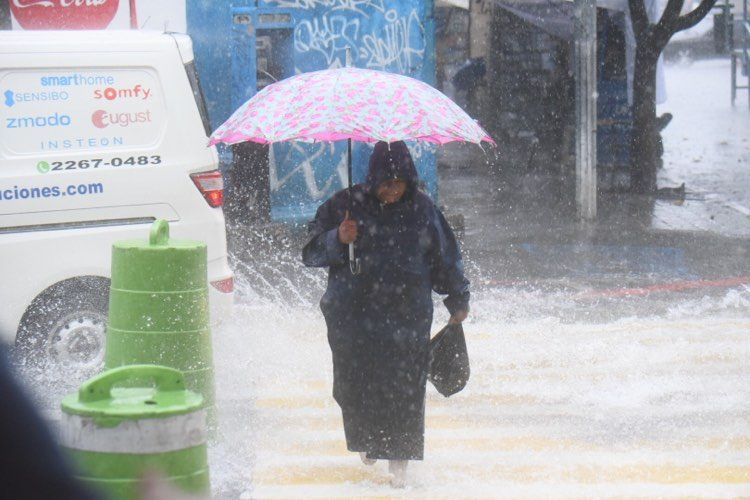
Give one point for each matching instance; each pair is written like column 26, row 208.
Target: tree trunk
column 644, row 151
column 645, row 140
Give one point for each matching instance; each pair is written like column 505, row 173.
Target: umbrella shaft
column 349, row 170
column 349, row 161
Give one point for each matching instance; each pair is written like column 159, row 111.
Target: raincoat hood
column 391, row 163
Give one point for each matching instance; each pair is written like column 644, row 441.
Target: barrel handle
column 100, row 387
column 159, row 233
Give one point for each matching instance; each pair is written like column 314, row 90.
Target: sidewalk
column 526, row 227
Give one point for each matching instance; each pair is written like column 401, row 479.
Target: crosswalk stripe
column 493, row 473
column 630, row 416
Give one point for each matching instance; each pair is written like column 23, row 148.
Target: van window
column 200, row 101
column 54, row 110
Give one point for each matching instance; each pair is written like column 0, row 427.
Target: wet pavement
column 521, row 226
column 519, row 229
column 608, row 360
column 636, row 408
column 526, row 228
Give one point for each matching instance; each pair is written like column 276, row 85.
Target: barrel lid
column 110, row 405
column 159, row 240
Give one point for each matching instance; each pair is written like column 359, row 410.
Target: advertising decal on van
column 111, row 93
column 13, row 97
column 47, row 110
column 102, row 119
column 93, row 163
column 25, row 193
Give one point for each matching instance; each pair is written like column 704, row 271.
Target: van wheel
column 65, row 325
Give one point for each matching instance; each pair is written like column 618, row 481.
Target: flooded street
column 648, row 404
column 607, row 361
column 160, row 161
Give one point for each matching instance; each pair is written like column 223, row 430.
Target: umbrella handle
column 355, row 266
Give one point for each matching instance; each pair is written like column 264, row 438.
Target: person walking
column 379, row 319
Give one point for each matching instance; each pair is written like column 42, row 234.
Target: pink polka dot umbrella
column 349, row 103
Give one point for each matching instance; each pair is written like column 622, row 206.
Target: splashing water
column 572, row 393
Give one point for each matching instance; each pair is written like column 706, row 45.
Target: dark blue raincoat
column 379, row 320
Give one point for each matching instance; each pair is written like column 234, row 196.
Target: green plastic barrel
column 158, row 308
column 114, row 434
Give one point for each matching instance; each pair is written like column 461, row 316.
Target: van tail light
column 224, row 286
column 211, row 186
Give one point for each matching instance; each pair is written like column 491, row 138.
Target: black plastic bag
column 449, row 360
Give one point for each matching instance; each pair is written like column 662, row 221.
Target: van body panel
column 100, row 133
column 185, row 46
column 56, row 256
column 75, row 218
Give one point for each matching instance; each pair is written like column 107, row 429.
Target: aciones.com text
column 26, row 193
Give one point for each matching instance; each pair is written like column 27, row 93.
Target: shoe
column 365, row 459
column 398, row 469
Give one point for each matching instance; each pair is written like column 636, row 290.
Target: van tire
column 65, row 325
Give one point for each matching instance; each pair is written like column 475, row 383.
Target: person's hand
column 458, row 317
column 347, row 230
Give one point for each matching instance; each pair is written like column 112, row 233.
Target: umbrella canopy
column 349, row 103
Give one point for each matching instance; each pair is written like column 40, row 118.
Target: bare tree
column 650, row 42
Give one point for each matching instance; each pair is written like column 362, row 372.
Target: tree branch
column 639, row 18
column 670, row 15
column 692, row 18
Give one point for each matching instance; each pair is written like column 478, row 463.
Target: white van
column 102, row 132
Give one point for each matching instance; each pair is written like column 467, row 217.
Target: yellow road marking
column 337, row 447
column 321, row 401
column 295, row 402
column 643, row 474
column 291, row 475
column 664, row 474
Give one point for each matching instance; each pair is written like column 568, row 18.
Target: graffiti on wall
column 361, row 7
column 398, row 44
column 387, row 36
column 304, row 157
column 327, row 35
column 420, row 149
column 305, row 160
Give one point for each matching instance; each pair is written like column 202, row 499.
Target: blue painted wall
column 284, row 37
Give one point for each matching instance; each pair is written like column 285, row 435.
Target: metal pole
column 585, row 86
column 354, row 263
column 745, row 43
